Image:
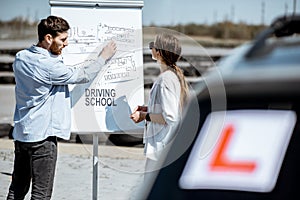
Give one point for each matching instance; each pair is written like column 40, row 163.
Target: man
column 43, row 106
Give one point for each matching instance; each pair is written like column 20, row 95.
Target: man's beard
column 54, row 49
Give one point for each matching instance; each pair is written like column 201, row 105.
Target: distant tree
column 222, row 30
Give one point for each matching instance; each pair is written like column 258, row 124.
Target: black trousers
column 34, row 161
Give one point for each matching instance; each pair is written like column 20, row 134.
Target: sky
column 173, row 12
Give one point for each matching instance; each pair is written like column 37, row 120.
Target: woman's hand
column 138, row 116
column 141, row 108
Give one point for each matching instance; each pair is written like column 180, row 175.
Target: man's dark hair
column 52, row 25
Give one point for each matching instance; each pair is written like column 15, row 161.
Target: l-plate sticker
column 245, row 154
column 220, row 160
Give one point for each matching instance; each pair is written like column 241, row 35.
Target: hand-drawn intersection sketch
column 105, row 104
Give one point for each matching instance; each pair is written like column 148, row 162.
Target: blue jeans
column 34, row 161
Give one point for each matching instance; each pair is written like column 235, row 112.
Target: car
column 240, row 135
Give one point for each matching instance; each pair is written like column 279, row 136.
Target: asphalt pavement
column 120, row 171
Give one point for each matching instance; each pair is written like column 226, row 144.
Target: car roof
column 276, row 53
column 276, row 46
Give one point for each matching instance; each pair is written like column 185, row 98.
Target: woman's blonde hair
column 170, row 50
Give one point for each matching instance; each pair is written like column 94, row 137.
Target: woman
column 167, row 97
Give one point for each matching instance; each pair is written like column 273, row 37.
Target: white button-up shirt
column 164, row 98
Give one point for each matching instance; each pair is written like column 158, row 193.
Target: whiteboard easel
column 93, row 23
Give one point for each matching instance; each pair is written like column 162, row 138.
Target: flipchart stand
column 94, row 22
column 95, row 166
